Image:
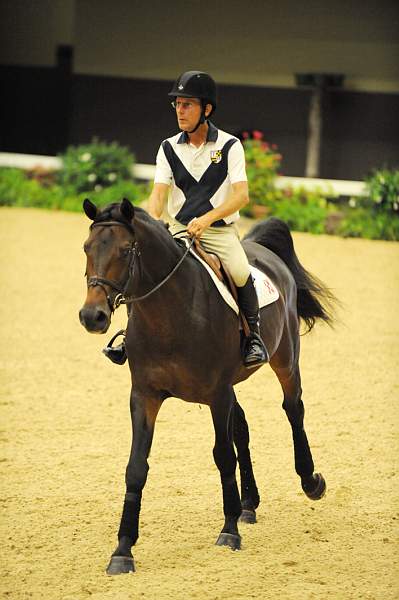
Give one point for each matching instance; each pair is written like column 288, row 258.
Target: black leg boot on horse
column 254, row 350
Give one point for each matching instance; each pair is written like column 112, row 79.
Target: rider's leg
column 255, row 352
column 225, row 242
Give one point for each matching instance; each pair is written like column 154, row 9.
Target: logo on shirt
column 216, row 156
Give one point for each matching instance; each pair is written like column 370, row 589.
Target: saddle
column 223, row 274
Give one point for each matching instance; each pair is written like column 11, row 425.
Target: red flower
column 257, row 135
column 274, row 147
column 245, row 135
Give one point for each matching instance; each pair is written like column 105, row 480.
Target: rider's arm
column 162, row 181
column 157, row 200
column 237, row 199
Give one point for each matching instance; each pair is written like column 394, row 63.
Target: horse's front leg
column 144, row 408
column 225, row 459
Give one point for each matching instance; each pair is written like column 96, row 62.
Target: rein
column 120, row 297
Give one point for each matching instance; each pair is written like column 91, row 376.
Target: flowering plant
column 263, row 162
column 95, row 166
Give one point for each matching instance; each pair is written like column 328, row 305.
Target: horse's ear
column 127, row 209
column 90, row 209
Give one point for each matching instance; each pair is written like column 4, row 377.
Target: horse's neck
column 184, row 305
column 159, row 254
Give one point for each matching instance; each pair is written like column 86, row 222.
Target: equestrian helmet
column 195, row 84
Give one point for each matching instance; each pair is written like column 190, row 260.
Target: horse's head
column 110, row 258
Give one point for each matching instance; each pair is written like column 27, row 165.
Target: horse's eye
column 126, row 251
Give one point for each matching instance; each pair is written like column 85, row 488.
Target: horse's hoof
column 317, row 488
column 229, row 539
column 248, row 516
column 120, row 564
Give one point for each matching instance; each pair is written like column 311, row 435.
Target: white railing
column 146, row 172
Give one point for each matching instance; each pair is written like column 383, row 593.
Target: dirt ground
column 65, row 432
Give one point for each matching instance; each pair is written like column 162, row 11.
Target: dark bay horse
column 182, row 340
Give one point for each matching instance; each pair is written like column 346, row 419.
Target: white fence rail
column 146, row 172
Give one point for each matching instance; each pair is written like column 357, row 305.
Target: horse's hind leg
column 223, row 452
column 313, row 484
column 249, row 491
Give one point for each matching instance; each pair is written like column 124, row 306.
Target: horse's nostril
column 101, row 317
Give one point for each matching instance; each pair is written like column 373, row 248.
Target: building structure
column 75, row 69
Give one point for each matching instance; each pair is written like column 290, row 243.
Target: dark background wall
column 74, row 69
column 45, row 109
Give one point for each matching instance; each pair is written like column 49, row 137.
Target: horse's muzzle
column 94, row 319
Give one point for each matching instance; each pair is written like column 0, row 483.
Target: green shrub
column 301, row 209
column 382, row 191
column 363, row 223
column 93, row 167
column 136, row 193
column 17, row 189
column 12, row 182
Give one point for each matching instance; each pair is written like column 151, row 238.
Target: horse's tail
column 314, row 299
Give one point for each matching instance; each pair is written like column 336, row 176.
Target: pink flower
column 245, row 135
column 274, row 147
column 265, row 146
column 257, row 135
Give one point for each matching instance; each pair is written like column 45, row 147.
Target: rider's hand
column 197, row 226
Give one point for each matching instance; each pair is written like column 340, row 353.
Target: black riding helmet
column 196, row 84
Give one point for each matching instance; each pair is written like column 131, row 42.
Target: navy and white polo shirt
column 200, row 178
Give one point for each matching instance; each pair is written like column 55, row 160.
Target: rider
column 203, row 168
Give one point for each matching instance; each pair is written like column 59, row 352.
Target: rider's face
column 188, row 112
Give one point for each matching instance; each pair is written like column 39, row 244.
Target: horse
column 183, row 341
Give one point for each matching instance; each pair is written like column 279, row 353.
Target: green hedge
column 374, row 215
column 102, row 172
column 18, row 189
column 98, row 170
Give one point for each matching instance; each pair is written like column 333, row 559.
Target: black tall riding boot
column 118, row 353
column 254, row 350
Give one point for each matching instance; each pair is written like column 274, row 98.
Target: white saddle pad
column 265, row 288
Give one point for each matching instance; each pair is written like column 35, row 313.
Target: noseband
column 121, row 288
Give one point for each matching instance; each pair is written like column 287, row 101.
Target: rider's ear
column 90, row 209
column 127, row 209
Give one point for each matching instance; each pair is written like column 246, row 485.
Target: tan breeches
column 225, row 242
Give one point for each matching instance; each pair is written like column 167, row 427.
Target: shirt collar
column 212, row 135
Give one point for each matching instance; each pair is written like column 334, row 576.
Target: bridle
column 120, row 287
